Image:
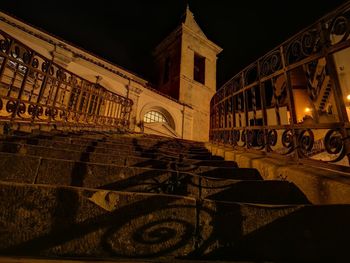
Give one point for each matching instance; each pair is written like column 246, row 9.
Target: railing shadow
column 164, row 226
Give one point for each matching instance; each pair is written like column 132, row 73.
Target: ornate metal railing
column 34, row 89
column 295, row 100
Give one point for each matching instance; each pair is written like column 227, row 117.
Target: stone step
column 14, row 259
column 73, row 153
column 113, row 136
column 26, row 168
column 100, row 147
column 278, row 233
column 258, row 192
column 17, row 168
column 231, row 173
column 153, row 140
column 52, row 221
column 127, row 159
column 94, row 223
column 132, row 141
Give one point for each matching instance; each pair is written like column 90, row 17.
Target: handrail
column 292, row 98
column 34, row 89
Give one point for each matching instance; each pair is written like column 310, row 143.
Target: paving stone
column 58, row 221
column 17, row 168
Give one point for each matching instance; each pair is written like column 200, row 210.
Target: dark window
column 258, row 122
column 166, row 75
column 199, row 69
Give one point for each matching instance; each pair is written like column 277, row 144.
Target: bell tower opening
column 199, row 69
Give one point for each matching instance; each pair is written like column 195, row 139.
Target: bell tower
column 186, row 71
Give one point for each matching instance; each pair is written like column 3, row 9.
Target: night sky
column 125, row 32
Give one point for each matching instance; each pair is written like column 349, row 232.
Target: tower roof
column 189, row 21
column 188, row 24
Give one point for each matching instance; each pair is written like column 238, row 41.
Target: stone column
column 187, row 122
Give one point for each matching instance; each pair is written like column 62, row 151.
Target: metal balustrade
column 35, row 90
column 294, row 102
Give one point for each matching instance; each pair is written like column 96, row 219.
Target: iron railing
column 34, row 89
column 294, row 101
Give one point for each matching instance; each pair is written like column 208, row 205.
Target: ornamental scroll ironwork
column 33, row 89
column 303, row 45
column 338, row 27
column 271, row 63
column 335, row 144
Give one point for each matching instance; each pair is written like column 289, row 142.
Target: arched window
column 154, row 116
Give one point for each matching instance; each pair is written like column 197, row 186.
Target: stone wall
column 321, row 186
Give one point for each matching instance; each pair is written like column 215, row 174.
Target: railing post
column 263, row 106
column 20, row 92
column 246, row 108
column 6, row 59
column 290, row 104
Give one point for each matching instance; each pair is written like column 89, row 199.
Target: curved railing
column 293, row 102
column 34, row 89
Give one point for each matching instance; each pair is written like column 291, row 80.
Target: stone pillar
column 187, row 123
column 133, row 93
column 62, row 56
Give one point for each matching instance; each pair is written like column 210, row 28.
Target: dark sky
column 126, row 31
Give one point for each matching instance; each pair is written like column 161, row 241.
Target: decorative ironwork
column 244, row 138
column 291, row 101
column 334, row 144
column 36, row 90
column 251, row 74
column 249, row 137
column 306, row 141
column 260, row 138
column 4, row 45
column 288, row 141
column 11, row 106
column 271, row 63
column 236, row 136
column 272, row 138
column 339, row 29
column 303, row 46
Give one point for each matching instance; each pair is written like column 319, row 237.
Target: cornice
column 178, row 32
column 56, row 41
column 203, row 40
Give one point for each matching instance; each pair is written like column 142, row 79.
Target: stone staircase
column 105, row 195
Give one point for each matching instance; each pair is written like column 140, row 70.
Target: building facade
column 186, row 68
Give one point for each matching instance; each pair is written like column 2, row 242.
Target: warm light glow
column 348, row 97
column 307, row 110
